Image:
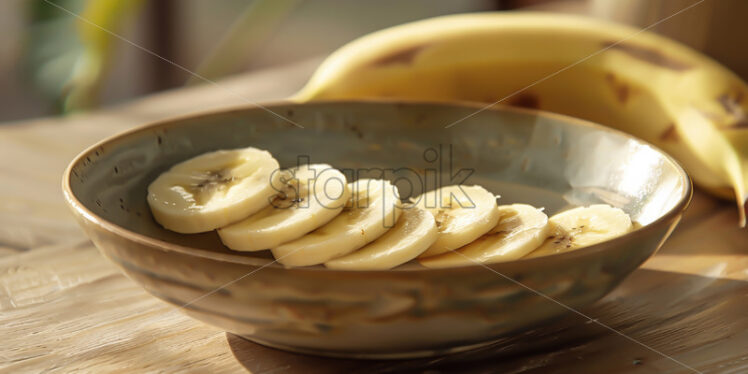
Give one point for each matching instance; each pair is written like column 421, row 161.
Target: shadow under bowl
column 525, row 156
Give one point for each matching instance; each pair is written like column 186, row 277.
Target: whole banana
column 632, row 80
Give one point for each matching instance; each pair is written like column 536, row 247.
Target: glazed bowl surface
column 525, row 156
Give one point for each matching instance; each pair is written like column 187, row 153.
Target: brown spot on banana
column 731, row 104
column 670, row 134
column 403, row 56
column 525, row 100
column 649, row 55
column 620, row 89
column 740, row 125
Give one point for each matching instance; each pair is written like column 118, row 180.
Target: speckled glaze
column 525, row 156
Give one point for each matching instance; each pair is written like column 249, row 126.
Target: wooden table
column 63, row 307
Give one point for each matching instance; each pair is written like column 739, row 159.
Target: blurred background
column 53, row 63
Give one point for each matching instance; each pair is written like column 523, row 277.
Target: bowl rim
column 241, row 258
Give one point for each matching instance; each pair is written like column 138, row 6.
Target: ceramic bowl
column 525, row 156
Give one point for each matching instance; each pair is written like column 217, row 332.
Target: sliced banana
column 462, row 214
column 584, row 226
column 414, row 232
column 368, row 214
column 213, row 190
column 306, row 198
column 521, row 229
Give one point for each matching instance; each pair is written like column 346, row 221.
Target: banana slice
column 521, row 229
column 307, row 197
column 414, row 232
column 213, row 189
column 462, row 213
column 368, row 214
column 581, row 227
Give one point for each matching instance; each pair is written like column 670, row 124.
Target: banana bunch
column 631, row 80
column 310, row 215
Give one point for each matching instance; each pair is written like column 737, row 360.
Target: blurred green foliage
column 67, row 55
column 71, row 44
column 52, row 48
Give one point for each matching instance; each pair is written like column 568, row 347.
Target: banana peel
column 632, row 80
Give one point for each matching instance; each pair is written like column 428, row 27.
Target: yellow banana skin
column 632, row 80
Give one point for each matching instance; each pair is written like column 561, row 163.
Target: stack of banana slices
column 310, row 215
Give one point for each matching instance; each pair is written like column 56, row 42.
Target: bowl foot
column 370, row 355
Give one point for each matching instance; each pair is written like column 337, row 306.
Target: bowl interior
column 540, row 159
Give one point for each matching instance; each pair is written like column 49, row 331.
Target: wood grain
column 65, row 308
